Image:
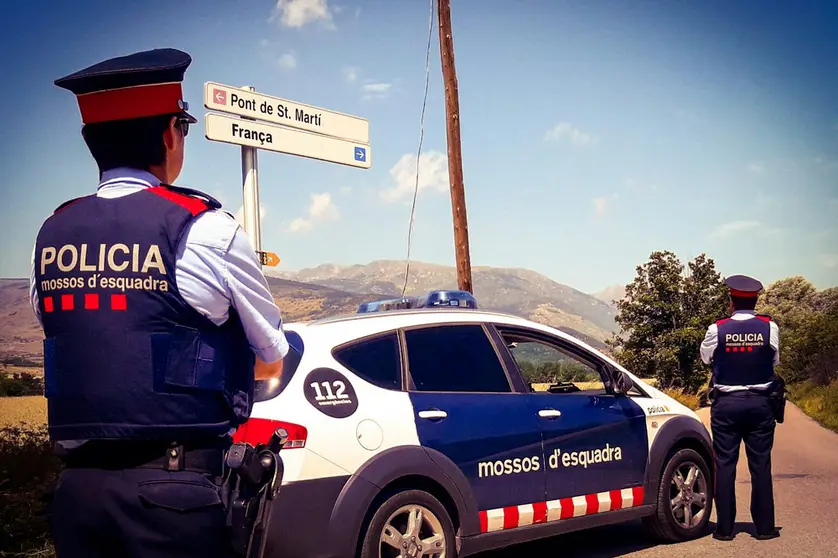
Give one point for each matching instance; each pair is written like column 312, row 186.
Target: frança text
column 261, row 137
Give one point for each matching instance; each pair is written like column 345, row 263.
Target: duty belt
column 200, row 457
column 252, row 479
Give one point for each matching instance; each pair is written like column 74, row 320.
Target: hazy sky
column 593, row 131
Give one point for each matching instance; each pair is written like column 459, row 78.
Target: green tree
column 664, row 317
column 808, row 321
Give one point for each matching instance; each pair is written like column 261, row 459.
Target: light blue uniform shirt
column 216, row 268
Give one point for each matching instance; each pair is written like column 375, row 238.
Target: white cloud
column 734, row 227
column 828, row 260
column 350, row 74
column 756, row 168
column 600, row 205
column 298, row 13
column 377, row 90
column 320, row 209
column 603, row 203
column 565, row 130
column 345, row 189
column 288, row 61
column 433, row 175
column 748, row 227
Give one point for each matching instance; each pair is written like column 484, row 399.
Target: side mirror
column 622, row 382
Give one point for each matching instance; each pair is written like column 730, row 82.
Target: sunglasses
column 183, row 124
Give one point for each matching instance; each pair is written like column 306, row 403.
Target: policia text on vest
column 94, row 267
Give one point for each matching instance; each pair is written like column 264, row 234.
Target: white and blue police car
column 415, row 431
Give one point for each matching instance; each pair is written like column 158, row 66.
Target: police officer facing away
column 157, row 320
column 743, row 349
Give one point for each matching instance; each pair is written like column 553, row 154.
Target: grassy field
column 31, row 410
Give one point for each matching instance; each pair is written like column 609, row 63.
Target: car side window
column 546, row 366
column 454, row 358
column 376, row 360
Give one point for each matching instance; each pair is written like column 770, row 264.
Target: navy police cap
column 742, row 285
column 138, row 85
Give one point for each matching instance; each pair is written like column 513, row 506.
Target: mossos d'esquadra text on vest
column 107, row 266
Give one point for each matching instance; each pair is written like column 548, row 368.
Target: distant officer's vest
column 744, row 355
column 125, row 356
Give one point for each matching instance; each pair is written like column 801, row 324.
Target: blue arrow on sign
column 361, row 154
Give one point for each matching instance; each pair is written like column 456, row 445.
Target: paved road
column 805, row 467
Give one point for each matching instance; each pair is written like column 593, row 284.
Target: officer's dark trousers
column 748, row 417
column 133, row 513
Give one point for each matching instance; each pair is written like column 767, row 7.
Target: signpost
column 228, row 129
column 286, row 127
column 268, row 258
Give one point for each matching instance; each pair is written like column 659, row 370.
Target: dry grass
column 819, row 402
column 691, row 400
column 31, row 410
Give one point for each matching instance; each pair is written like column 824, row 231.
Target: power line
column 421, row 140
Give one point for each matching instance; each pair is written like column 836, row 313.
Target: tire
column 393, row 515
column 669, row 525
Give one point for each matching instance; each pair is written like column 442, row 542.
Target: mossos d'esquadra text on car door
column 416, row 428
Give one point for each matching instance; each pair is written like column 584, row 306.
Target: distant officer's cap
column 742, row 285
column 139, row 85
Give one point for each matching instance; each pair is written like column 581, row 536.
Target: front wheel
column 684, row 499
column 410, row 524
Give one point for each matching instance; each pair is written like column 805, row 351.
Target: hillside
column 609, row 294
column 516, row 291
column 21, row 336
column 330, row 290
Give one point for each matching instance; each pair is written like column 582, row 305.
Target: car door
column 595, row 443
column 466, row 408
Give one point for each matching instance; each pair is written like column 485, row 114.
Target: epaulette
column 203, row 196
column 764, row 317
column 68, row 203
column 723, row 320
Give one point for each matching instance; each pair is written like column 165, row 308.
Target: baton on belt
column 254, row 476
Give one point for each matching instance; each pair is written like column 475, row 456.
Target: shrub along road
column 805, row 468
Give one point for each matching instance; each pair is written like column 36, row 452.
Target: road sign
column 268, row 258
column 258, row 106
column 228, row 129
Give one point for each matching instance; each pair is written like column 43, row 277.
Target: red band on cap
column 130, row 102
column 734, row 292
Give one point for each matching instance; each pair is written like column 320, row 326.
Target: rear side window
column 456, row 358
column 268, row 389
column 376, row 360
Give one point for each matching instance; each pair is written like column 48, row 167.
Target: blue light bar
column 434, row 299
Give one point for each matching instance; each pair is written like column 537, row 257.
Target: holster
column 777, row 397
column 252, row 479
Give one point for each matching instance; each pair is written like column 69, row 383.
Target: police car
column 415, row 430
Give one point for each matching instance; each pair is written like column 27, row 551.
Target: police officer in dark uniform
column 157, row 321
column 743, row 350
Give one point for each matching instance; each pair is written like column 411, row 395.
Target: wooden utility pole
column 455, row 160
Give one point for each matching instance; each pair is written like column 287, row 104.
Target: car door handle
column 549, row 413
column 433, row 414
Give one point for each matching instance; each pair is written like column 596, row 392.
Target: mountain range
column 328, row 290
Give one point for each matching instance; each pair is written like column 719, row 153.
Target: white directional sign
column 228, row 129
column 258, row 106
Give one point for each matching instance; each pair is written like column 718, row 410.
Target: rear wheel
column 684, row 499
column 410, row 524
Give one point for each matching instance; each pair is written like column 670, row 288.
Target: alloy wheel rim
column 412, row 531
column 688, row 495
